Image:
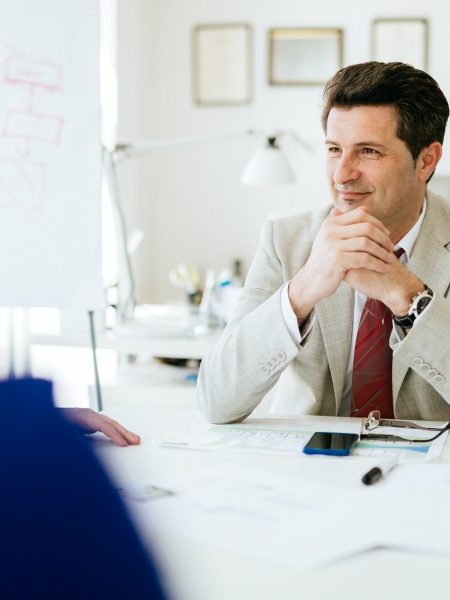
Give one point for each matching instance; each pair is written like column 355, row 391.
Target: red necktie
column 372, row 364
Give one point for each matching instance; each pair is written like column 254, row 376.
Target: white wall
column 189, row 200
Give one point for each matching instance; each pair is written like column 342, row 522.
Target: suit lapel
column 430, row 261
column 335, row 317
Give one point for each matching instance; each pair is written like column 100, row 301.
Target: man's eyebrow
column 358, row 145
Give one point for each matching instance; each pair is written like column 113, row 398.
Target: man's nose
column 346, row 170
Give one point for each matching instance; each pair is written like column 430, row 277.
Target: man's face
column 368, row 165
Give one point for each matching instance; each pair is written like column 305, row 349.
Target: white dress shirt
column 407, row 243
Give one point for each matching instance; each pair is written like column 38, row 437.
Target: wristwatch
column 417, row 306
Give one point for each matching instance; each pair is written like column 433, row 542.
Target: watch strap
column 418, row 304
column 406, row 322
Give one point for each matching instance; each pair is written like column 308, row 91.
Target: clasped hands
column 354, row 247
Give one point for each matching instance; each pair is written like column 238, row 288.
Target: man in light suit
column 385, row 240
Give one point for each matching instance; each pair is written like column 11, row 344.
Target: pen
column 377, row 473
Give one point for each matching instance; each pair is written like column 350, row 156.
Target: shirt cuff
column 290, row 318
column 399, row 331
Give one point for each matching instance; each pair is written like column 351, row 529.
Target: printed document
column 288, row 437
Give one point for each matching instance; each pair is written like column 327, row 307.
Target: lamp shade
column 268, row 166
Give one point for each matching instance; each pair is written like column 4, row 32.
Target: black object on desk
column 331, row 443
column 376, row 473
column 372, row 476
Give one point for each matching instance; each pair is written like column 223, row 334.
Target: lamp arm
column 124, row 151
column 294, row 135
column 126, row 288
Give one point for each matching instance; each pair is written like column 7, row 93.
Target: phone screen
column 334, row 444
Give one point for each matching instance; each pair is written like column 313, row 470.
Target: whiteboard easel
column 50, row 156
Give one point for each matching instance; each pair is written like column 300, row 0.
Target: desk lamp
column 268, row 166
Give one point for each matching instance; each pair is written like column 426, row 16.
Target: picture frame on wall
column 222, row 56
column 304, row 56
column 402, row 39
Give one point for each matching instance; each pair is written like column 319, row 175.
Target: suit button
column 438, row 378
column 265, row 369
column 280, row 355
column 432, row 373
column 269, row 364
column 417, row 361
column 425, row 367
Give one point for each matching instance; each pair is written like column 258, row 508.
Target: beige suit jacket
column 256, row 348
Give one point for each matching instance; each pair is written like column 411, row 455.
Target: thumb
column 335, row 212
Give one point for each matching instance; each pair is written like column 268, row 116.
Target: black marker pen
column 377, row 473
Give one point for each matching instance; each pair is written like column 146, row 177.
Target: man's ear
column 428, row 160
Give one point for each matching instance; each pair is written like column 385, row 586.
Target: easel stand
column 17, row 350
column 18, row 355
column 98, row 391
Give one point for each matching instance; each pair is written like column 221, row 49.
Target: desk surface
column 169, row 347
column 159, row 330
column 199, row 571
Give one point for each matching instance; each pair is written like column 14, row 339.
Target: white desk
column 115, row 371
column 198, row 571
column 169, row 347
column 157, row 330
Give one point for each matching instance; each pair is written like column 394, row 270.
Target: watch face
column 423, row 303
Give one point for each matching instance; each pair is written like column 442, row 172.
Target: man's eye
column 333, row 150
column 370, row 151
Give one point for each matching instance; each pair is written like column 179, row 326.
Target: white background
column 188, row 200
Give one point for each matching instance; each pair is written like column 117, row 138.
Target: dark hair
column 422, row 107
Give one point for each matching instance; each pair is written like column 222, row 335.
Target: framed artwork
column 222, row 64
column 304, row 56
column 404, row 40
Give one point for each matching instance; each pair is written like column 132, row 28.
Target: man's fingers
column 359, row 238
column 368, row 231
column 363, row 260
column 346, row 241
column 335, row 212
column 359, row 215
column 343, row 227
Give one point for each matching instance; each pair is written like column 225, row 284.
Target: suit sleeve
column 254, row 349
column 426, row 348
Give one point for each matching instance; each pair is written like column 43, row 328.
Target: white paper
column 411, row 509
column 252, row 512
column 50, row 154
column 296, row 522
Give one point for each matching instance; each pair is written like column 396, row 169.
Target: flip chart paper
column 50, row 154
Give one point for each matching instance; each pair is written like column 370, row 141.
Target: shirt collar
column 409, row 239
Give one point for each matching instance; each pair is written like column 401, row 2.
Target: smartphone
column 333, row 444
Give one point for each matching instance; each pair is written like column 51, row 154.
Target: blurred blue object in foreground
column 64, row 531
